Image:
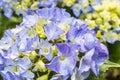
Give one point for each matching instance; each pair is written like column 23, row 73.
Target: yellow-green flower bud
column 68, row 2
column 91, row 24
column 39, row 66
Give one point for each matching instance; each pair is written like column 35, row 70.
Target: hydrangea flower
column 29, row 49
column 65, row 62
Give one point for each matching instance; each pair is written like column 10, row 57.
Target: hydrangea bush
column 50, row 41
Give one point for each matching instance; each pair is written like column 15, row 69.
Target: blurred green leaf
column 108, row 64
column 93, row 77
column 6, row 23
column 114, row 51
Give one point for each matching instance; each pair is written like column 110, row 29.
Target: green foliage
column 108, row 64
column 114, row 52
column 93, row 77
column 6, row 23
column 103, row 70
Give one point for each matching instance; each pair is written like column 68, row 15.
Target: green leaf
column 114, row 51
column 6, row 23
column 108, row 64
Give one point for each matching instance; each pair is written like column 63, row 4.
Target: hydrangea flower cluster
column 50, row 40
column 105, row 20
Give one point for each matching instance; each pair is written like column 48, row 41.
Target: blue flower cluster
column 6, row 5
column 21, row 7
column 17, row 6
column 49, row 39
column 84, row 6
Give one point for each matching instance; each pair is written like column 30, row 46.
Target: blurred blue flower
column 110, row 37
column 8, row 12
column 7, row 7
column 76, row 8
column 47, row 3
column 84, row 6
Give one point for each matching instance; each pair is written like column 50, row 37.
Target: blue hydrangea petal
column 45, row 45
column 101, row 54
column 28, row 75
column 54, row 65
column 24, row 63
column 64, row 67
column 58, row 76
column 95, row 68
column 89, row 40
column 77, row 76
column 63, row 49
column 7, row 75
column 83, row 67
column 30, row 20
column 52, row 31
column 7, row 40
